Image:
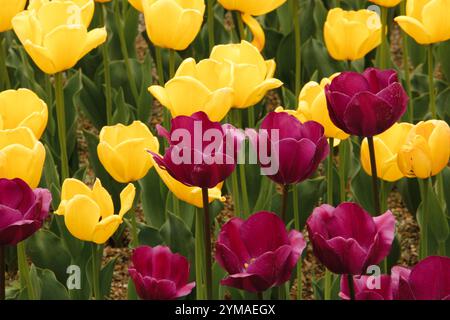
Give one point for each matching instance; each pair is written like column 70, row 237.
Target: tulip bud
column 23, row 108
column 9, row 10
column 123, row 151
column 21, row 156
column 350, row 35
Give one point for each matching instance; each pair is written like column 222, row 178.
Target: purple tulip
column 297, row 148
column 428, row 280
column 367, row 288
column 201, row 153
column 22, row 210
column 366, row 104
column 258, row 253
column 347, row 240
column 159, row 274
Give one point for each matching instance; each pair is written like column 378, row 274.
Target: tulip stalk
column 373, row 167
column 297, row 227
column 4, row 70
column 106, row 70
column 432, row 93
column 61, row 120
column 330, row 189
column 207, row 243
column 199, row 254
column 284, row 202
column 24, row 271
column 351, row 286
column 96, row 265
column 424, row 185
column 342, row 180
column 384, row 47
column 298, row 57
column 2, row 273
column 210, row 21
column 159, row 65
column 405, row 52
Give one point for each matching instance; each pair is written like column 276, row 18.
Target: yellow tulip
column 350, row 35
column 191, row 195
column 21, row 156
column 253, row 7
column 259, row 38
column 9, row 9
column 173, row 24
column 123, row 150
column 386, row 3
column 253, row 76
column 427, row 21
column 426, row 151
column 89, row 213
column 55, row 33
column 204, row 86
column 137, row 4
column 23, row 108
column 84, row 9
column 312, row 106
column 387, row 146
column 102, row 1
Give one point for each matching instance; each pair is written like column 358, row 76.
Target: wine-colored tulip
column 198, row 154
column 366, row 104
column 347, row 239
column 296, row 148
column 159, row 274
column 368, row 287
column 258, row 253
column 22, row 210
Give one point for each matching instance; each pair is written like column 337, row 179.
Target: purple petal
column 337, row 105
column 397, row 98
column 246, row 281
column 18, row 231
column 228, row 260
column 142, row 260
column 364, row 292
column 399, row 283
column 186, row 290
column 385, row 225
column 8, row 216
column 287, row 125
column 159, row 289
column 379, row 79
column 312, row 130
column 179, row 270
column 317, row 221
column 430, row 278
column 161, row 262
column 16, row 194
column 230, row 237
column 349, row 83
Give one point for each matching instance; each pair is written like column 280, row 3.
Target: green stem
column 210, row 22
column 330, row 191
column 243, row 179
column 373, row 167
column 159, row 65
column 260, row 295
column 207, row 244
column 384, row 53
column 48, row 90
column 4, row 69
column 251, row 116
column 431, row 88
column 406, row 71
column 235, row 190
column 2, row 273
column 327, row 285
column 199, row 254
column 24, row 271
column 295, row 199
column 171, row 63
column 441, row 248
column 423, row 252
column 61, row 120
column 284, row 202
column 351, row 286
column 134, row 232
column 126, row 58
column 241, row 28
column 342, row 178
column 298, row 56
column 95, row 272
column 107, row 71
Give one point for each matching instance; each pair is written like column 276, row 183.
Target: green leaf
column 154, row 193
column 150, row 236
column 106, row 276
column 437, row 218
column 178, row 236
column 46, row 285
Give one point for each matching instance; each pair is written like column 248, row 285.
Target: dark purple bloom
column 428, row 280
column 22, row 210
column 366, row 104
column 159, row 274
column 294, row 149
column 258, row 253
column 347, row 239
column 368, row 287
column 201, row 153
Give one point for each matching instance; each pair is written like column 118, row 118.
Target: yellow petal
column 94, row 38
column 71, row 188
column 41, row 57
column 137, row 4
column 414, row 28
column 260, row 91
column 106, row 228
column 219, row 103
column 253, row 7
column 27, row 27
column 103, row 199
column 435, row 18
column 9, row 10
column 112, row 162
column 414, row 158
column 126, row 199
column 259, row 38
column 386, row 3
column 81, row 217
column 135, row 158
column 161, row 95
column 439, row 142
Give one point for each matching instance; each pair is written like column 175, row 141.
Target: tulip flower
column 386, row 3
column 427, row 280
column 9, row 10
column 312, row 106
column 368, row 288
column 253, row 7
column 350, row 35
column 89, row 213
column 426, row 21
column 123, row 151
column 366, row 104
column 253, row 76
column 301, row 147
column 23, row 108
column 55, row 35
column 426, row 151
column 21, row 156
column 159, row 274
column 22, row 210
column 258, row 253
column 208, row 85
column 171, row 24
column 347, row 239
column 387, row 146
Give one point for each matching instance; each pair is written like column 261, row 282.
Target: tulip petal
column 228, row 260
column 246, row 281
column 383, row 240
column 94, row 38
column 103, row 199
column 430, row 278
column 260, row 91
column 435, row 19
column 81, row 216
column 126, row 199
column 112, row 162
column 161, row 95
column 41, row 56
column 230, row 237
column 106, row 228
column 414, row 28
column 259, row 38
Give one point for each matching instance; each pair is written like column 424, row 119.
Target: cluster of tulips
column 178, row 178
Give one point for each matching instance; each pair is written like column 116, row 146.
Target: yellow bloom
column 191, row 195
column 426, row 151
column 55, row 33
column 137, row 4
column 253, row 7
column 253, row 76
column 89, row 213
column 259, row 38
column 386, row 3
column 312, row 106
column 23, row 108
column 387, row 146
column 9, row 9
column 206, row 86
column 350, row 35
column 426, row 21
column 21, row 156
column 172, row 24
column 102, row 1
column 123, row 150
